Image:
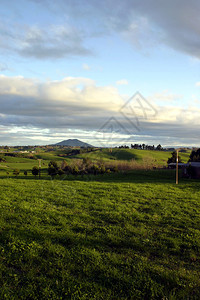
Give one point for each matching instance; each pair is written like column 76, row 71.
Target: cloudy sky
column 107, row 72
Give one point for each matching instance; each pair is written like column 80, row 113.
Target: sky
column 106, row 72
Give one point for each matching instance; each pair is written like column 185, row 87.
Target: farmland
column 126, row 159
column 126, row 235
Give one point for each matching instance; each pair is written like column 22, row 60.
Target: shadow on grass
column 134, row 176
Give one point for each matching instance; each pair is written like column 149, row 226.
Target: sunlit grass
column 123, row 236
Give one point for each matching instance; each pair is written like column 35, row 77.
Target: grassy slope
column 131, row 236
column 159, row 157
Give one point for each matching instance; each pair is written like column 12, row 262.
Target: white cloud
column 86, row 67
column 78, row 104
column 198, row 83
column 122, row 82
column 164, row 98
column 71, row 96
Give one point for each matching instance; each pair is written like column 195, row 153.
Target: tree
column 52, row 171
column 159, row 147
column 16, row 172
column 54, row 164
column 53, row 168
column 172, row 159
column 195, row 155
column 35, row 171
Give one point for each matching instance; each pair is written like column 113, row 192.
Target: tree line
column 142, row 147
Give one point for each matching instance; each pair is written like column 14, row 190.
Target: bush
column 16, row 172
column 95, row 169
column 87, row 161
column 64, row 165
column 2, row 159
column 53, row 168
column 54, row 164
column 115, row 169
column 35, row 171
column 75, row 170
column 102, row 169
column 68, row 169
column 60, row 172
column 52, row 171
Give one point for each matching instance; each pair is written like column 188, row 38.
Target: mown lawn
column 126, row 236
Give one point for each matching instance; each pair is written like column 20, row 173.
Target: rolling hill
column 73, row 143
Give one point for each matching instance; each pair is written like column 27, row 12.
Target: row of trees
column 142, row 147
column 147, row 147
column 86, row 167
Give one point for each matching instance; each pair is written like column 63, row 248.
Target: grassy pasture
column 125, row 158
column 159, row 158
column 118, row 236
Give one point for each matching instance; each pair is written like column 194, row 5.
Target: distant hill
column 73, row 143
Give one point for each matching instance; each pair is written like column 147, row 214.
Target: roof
column 193, row 164
column 174, row 164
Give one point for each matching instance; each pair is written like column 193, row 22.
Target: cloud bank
column 148, row 22
column 73, row 104
column 144, row 23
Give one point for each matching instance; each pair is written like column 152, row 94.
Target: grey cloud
column 3, row 67
column 56, row 42
column 44, row 115
column 178, row 22
column 148, row 22
column 144, row 23
column 31, row 104
column 53, row 42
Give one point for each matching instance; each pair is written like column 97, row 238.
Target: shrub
column 52, row 171
column 16, row 172
column 54, row 164
column 35, row 171
column 115, row 169
column 87, row 161
column 60, row 172
column 64, row 165
column 67, row 169
column 53, row 168
column 75, row 170
column 95, row 169
column 102, row 169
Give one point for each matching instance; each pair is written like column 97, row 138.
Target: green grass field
column 136, row 159
column 119, row 236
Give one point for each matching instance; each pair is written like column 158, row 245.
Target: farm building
column 191, row 170
column 173, row 165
